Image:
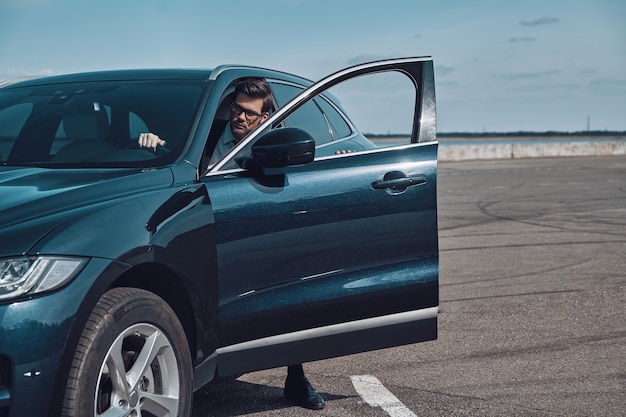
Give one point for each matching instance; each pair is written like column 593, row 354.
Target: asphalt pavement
column 532, row 306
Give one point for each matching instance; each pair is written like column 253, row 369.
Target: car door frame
column 424, row 124
column 355, row 336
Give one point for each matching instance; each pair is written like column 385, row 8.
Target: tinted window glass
column 12, row 120
column 283, row 93
column 341, row 128
column 96, row 123
column 308, row 117
column 136, row 126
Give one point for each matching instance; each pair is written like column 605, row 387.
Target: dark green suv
column 130, row 276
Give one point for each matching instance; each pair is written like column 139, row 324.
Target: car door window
column 381, row 106
column 309, row 117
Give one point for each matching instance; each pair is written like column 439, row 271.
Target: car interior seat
column 87, row 130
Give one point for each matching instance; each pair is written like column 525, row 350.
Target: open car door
column 331, row 254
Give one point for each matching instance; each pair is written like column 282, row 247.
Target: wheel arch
column 162, row 281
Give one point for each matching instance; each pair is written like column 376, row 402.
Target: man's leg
column 299, row 390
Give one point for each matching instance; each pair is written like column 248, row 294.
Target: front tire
column 132, row 360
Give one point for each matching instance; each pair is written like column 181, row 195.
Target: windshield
column 96, row 124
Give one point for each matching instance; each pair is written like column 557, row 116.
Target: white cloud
column 522, row 39
column 541, row 21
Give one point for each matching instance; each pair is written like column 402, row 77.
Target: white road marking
column 376, row 395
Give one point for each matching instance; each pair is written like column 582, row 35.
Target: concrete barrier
column 463, row 150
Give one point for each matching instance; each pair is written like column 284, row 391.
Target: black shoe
column 300, row 391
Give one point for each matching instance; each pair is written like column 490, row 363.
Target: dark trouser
column 295, row 371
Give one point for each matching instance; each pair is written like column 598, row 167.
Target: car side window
column 340, row 127
column 309, row 117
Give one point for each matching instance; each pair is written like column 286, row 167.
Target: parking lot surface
column 532, row 318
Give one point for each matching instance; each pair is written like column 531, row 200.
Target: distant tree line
column 526, row 133
column 509, row 134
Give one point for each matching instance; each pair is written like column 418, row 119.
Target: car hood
column 34, row 201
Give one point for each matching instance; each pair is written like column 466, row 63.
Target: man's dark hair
column 256, row 88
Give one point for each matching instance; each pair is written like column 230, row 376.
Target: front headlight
column 36, row 274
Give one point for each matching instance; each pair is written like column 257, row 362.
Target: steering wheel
column 159, row 152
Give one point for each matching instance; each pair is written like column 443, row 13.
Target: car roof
column 190, row 74
column 117, row 75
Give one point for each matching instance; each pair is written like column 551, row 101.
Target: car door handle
column 398, row 181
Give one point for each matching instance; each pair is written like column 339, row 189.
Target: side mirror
column 283, row 147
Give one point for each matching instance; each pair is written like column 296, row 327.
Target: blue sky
column 500, row 65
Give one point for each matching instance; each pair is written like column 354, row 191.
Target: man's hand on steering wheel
column 150, row 140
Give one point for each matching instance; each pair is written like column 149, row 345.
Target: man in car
column 251, row 106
